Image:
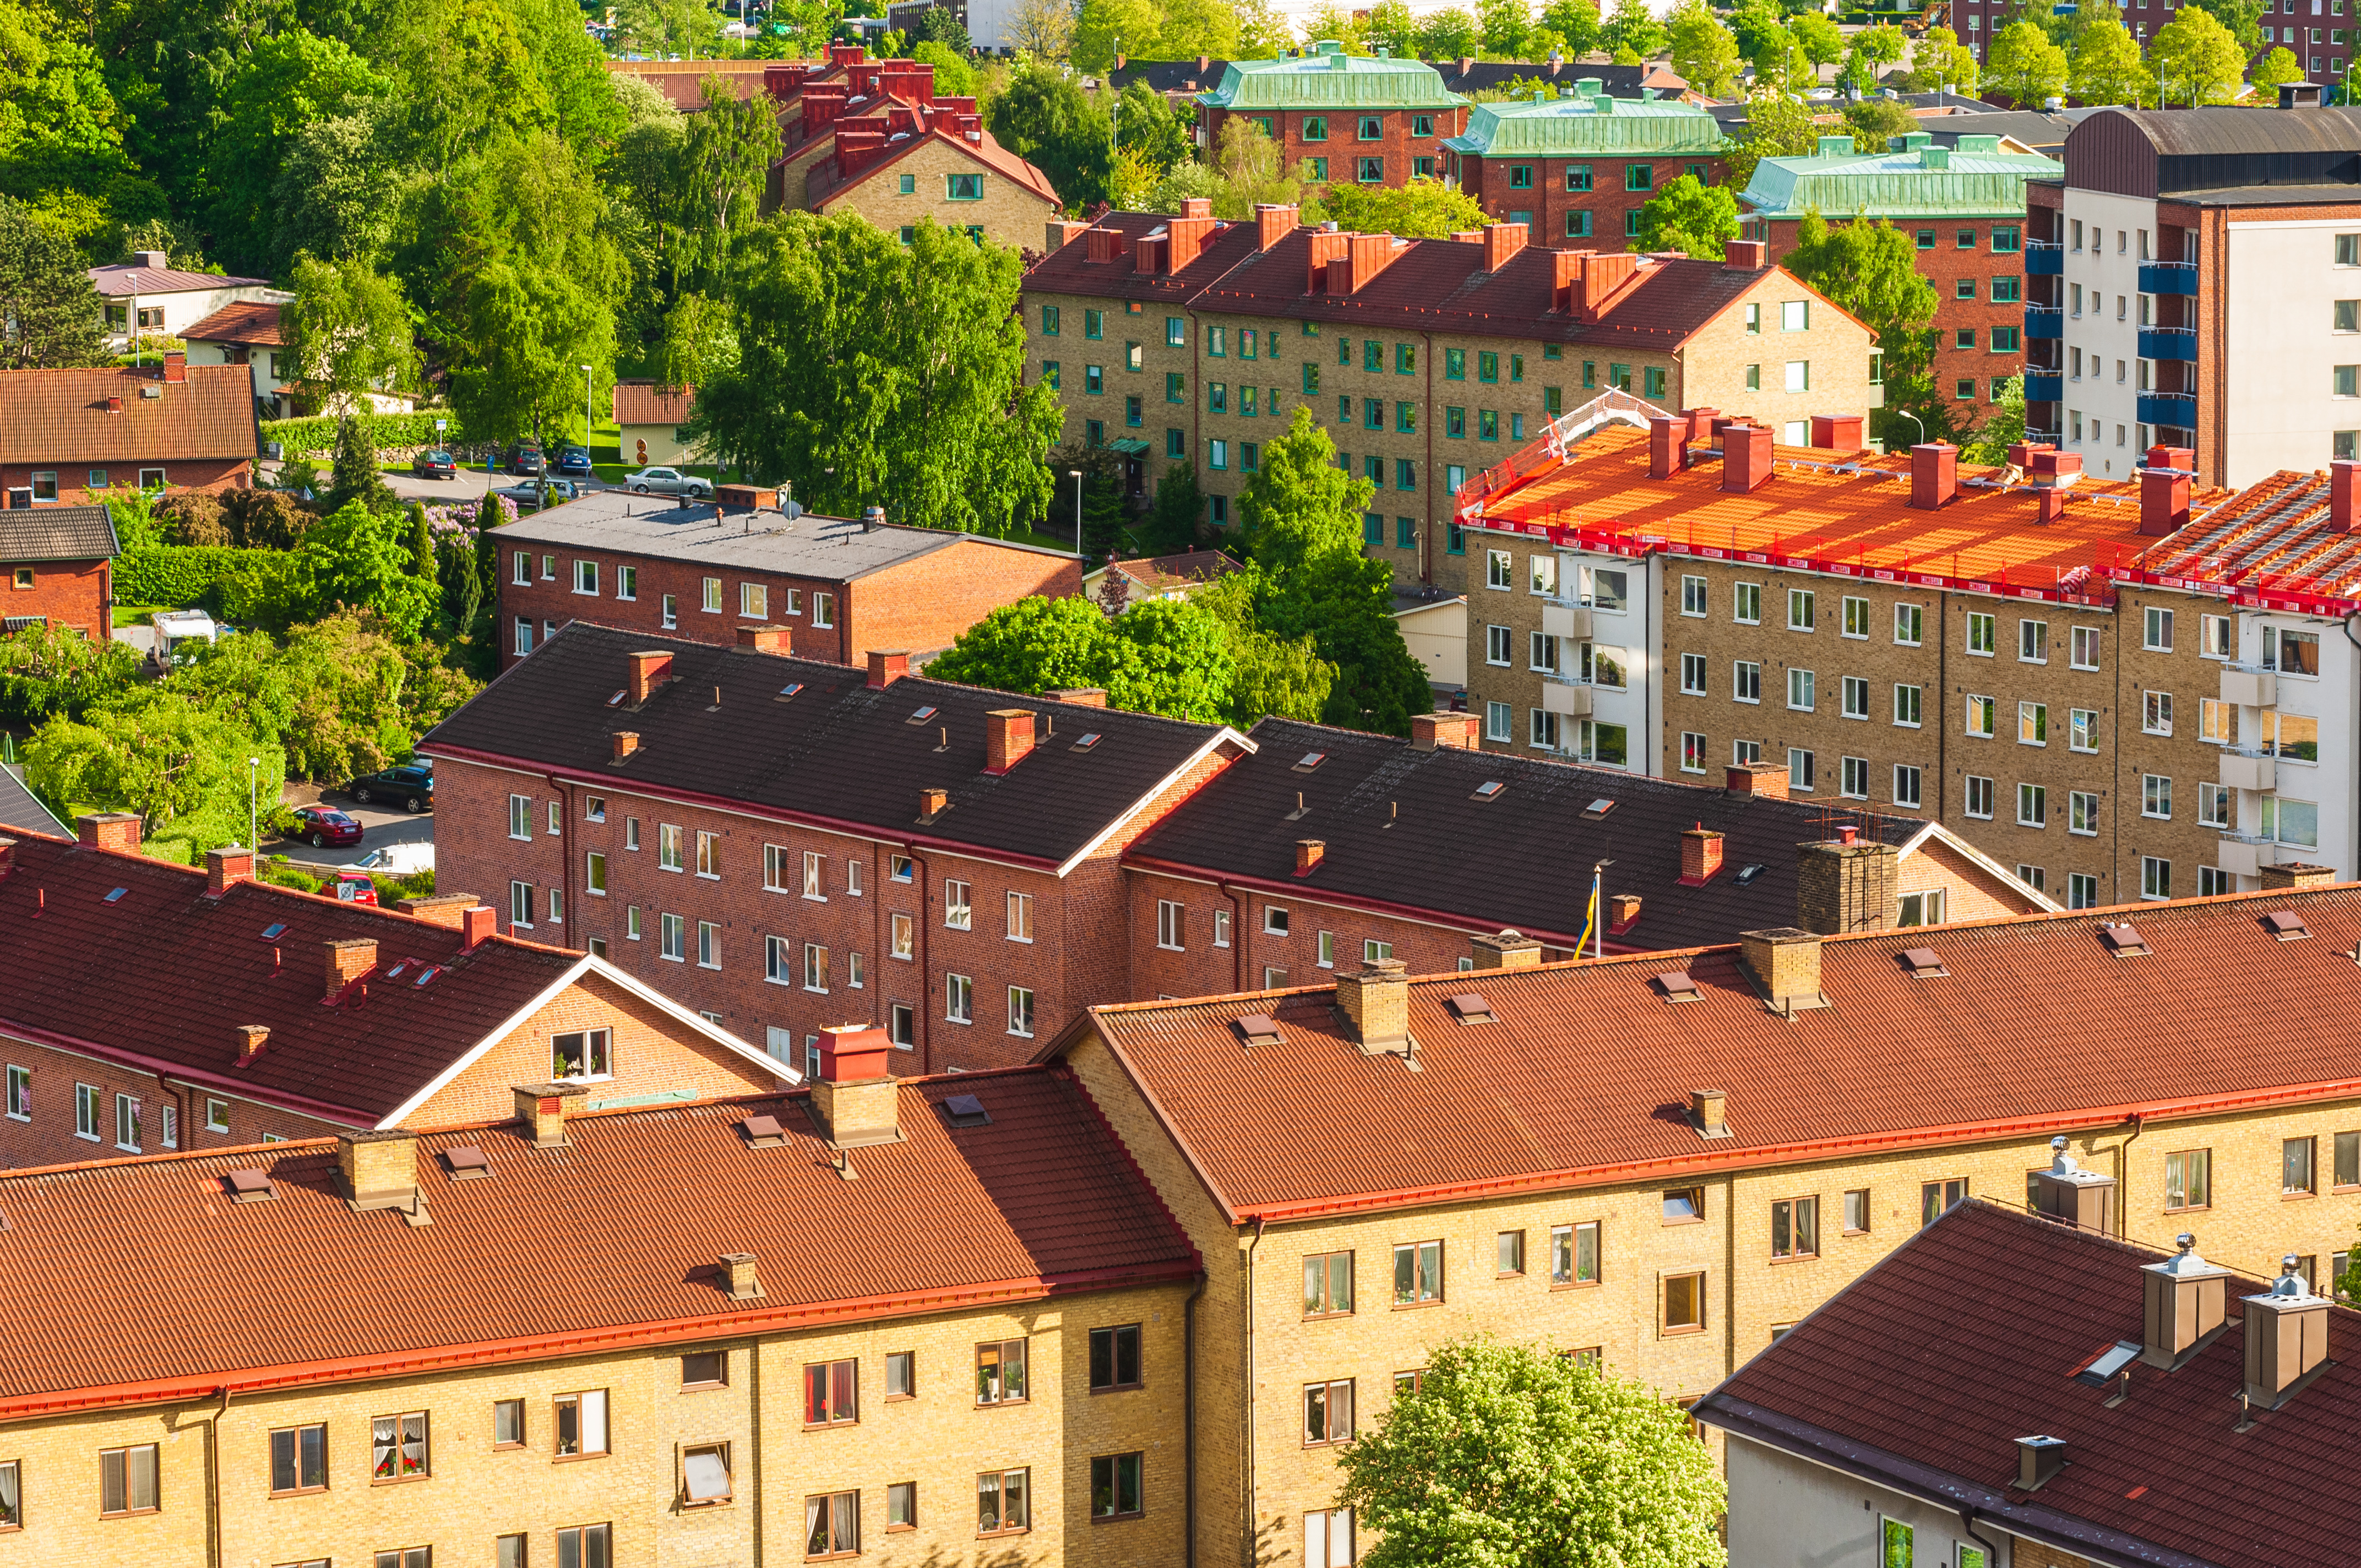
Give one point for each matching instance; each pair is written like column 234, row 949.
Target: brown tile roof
column 61, row 416
column 1586, row 1077
column 242, row 321
column 1069, row 271
column 1402, row 835
column 1924, row 1372
column 1157, row 573
column 826, row 185
column 57, row 533
column 123, row 279
column 609, row 1242
column 645, row 403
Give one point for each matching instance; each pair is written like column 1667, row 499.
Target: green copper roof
column 1918, row 180
column 1584, row 119
column 1328, row 78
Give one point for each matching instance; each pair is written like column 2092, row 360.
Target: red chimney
column 1836, row 432
column 227, row 867
column 1273, row 223
column 116, row 830
column 1667, row 445
column 1308, row 854
column 251, row 1038
column 1196, row 206
column 2164, row 490
column 176, row 365
column 1768, row 780
column 1185, row 236
column 649, row 671
column 767, row 639
column 1007, row 736
column 477, row 926
column 348, row 959
column 885, row 669
column 1327, row 245
column 1700, row 855
column 2343, row 486
column 2052, row 504
column 1502, row 241
column 1700, row 421
column 1745, row 255
column 1745, row 457
column 1437, row 731
column 2051, row 466
column 113, row 403
column 1934, row 475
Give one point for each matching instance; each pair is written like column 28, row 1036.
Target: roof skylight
column 1309, row 760
column 920, row 717
column 1490, row 789
column 1087, row 742
column 2123, row 941
column 273, row 932
column 117, row 893
column 1598, row 808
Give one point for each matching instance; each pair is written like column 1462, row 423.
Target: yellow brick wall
column 1716, row 359
column 1010, row 214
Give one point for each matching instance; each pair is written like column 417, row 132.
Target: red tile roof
column 61, row 417
column 825, row 185
column 1924, row 1372
column 1069, row 270
column 1157, row 573
column 645, row 403
column 610, row 1242
column 1586, row 1077
column 243, row 320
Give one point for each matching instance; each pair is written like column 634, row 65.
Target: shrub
column 179, row 574
column 316, row 437
column 194, row 517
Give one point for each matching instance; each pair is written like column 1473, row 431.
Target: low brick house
column 831, row 587
column 254, row 1013
column 1354, row 119
column 59, row 562
column 72, row 435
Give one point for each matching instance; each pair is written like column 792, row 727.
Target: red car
column 321, row 825
column 356, row 887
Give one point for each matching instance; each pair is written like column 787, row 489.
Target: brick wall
column 48, row 1136
column 72, row 593
column 1549, row 205
column 1009, row 213
column 1123, row 325
column 75, row 487
column 1400, row 144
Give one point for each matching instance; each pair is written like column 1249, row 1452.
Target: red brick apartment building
column 1354, row 119
column 72, row 435
column 61, row 567
column 838, row 588
column 786, row 844
column 146, row 1006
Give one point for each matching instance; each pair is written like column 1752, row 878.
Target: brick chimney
column 1327, row 245
column 648, row 671
column 855, row 1097
column 1079, row 697
column 113, row 403
column 478, row 925
column 740, row 1281
column 1622, row 912
column 251, row 1038
column 1436, row 731
column 347, row 961
column 1667, row 445
column 1307, row 855
column 1768, row 780
column 1934, row 475
column 622, row 743
column 378, row 1170
column 2343, row 490
column 1847, row 885
column 1745, row 255
column 1274, row 223
column 932, row 802
column 1502, row 241
column 230, row 864
column 1700, row 855
column 1185, row 236
column 176, row 366
column 779, row 640
column 541, row 1108
column 1786, row 963
column 1007, row 738
column 2286, row 1338
column 2290, row 875
column 1375, row 1003
column 885, row 669
column 1510, row 949
column 116, row 830
column 1745, row 457
column 2049, row 506
column 1710, row 1113
column 448, row 910
column 1836, row 432
column 1063, row 232
column 2164, row 490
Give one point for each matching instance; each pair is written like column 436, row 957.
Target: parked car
column 436, row 465
column 414, row 786
column 525, row 457
column 574, row 460
column 356, row 887
column 556, row 490
column 667, row 482
column 396, row 859
column 321, row 825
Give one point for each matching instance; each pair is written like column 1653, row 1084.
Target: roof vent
column 2286, row 1341
column 1923, row 963
column 966, row 1111
column 1490, row 789
column 466, row 1163
column 1470, row 1008
column 1309, row 760
column 1258, row 1029
column 2286, row 925
column 2070, row 1195
column 762, row 1133
column 2039, row 1458
column 2184, row 1302
column 2123, row 941
column 1677, row 985
column 250, row 1186
column 1710, row 1113
column 1598, row 808
column 1749, row 871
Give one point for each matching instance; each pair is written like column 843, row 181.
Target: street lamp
column 1076, row 475
column 589, row 397
column 253, row 784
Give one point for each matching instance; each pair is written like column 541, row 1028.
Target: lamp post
column 590, row 398
column 1076, row 475
column 253, row 785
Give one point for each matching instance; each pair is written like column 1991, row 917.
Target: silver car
column 667, row 482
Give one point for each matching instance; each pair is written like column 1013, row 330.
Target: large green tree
column 2196, row 59
column 47, row 670
column 1575, row 21
column 2106, row 65
column 1515, row 1456
column 872, row 372
column 1159, row 656
column 347, row 329
column 1777, row 126
column 290, row 81
column 1045, row 118
column 1705, row 54
column 1690, row 218
column 1870, row 270
column 49, row 315
column 2242, row 18
column 1449, row 34
column 180, row 766
column 1631, row 31
column 2023, row 66
column 1423, row 209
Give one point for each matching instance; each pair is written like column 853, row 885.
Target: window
column 520, row 817
column 711, row 601
column 1896, row 1545
column 1116, row 1490
column 957, row 914
column 1002, row 1502
column 1795, row 1225
column 1328, row 1284
column 668, row 853
column 831, row 1393
column 398, row 1447
column 1000, row 1372
column 1909, row 621
column 2189, row 1180
column 832, row 1524
column 1418, row 1273
column 1020, row 1011
column 1853, row 778
column 1693, row 674
column 1746, row 604
column 1800, row 690
column 2348, row 1167
column 671, row 602
column 2295, row 1167
column 958, row 998
column 1693, row 597
column 86, row 1111
column 1168, row 927
column 2155, row 797
column 1682, row 1304
column 126, row 1123
column 1221, row 927
column 1020, row 917
column 1746, row 681
column 1497, row 721
column 2084, row 652
column 1328, row 938
column 1856, row 618
column 1574, row 1254
column 2083, row 729
column 1275, row 919
column 1328, row 1538
column 523, row 573
column 2033, row 724
column 2032, row 805
column 823, row 610
column 2156, row 713
column 298, row 1459
column 2156, row 631
column 1979, row 717
column 1509, row 1254
column 1935, row 1198
column 1327, row 1413
column 1981, row 636
column 1906, row 705
column 127, row 1481
column 1114, row 1359
column 1856, row 1211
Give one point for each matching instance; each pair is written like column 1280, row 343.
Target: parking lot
column 381, row 825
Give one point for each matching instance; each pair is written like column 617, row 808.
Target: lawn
column 136, row 614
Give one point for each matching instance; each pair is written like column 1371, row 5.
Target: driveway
column 381, row 825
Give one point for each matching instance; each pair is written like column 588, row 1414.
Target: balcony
column 2045, row 321
column 1564, row 615
column 2176, row 408
column 2167, row 343
column 2167, row 278
column 1569, row 694
column 2250, row 686
column 2249, row 770
column 2044, row 259
column 2044, row 386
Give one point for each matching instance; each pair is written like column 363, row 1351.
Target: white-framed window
column 2033, row 642
column 1692, row 751
column 1542, row 654
column 1982, row 635
column 1169, row 924
column 852, row 874
column 585, row 577
column 1921, row 909
column 126, row 1123
column 1497, row 642
column 1327, row 949
column 1745, row 681
column 1020, row 917
column 2156, row 630
column 902, row 937
column 1745, row 753
column 549, row 568
column 1906, row 705
column 2082, row 891
column 1543, row 733
column 631, row 921
column 2155, row 877
column 2155, row 797
column 1276, row 921
column 1852, row 780
column 957, row 914
column 1802, row 609
column 709, row 600
column 959, row 999
column 86, row 1111
column 671, row 617
column 1020, row 1011
column 708, row 855
column 1499, row 569
column 2082, row 813
column 708, row 945
column 1221, row 927
column 774, row 868
column 2156, row 713
column 1800, row 690
column 672, row 938
column 521, row 905
column 1542, row 574
column 1746, row 604
column 1800, row 770
column 1978, row 802
column 1856, row 697
column 20, row 1095
column 1693, row 674
column 594, row 873
column 815, row 968
column 556, row 819
column 1979, row 717
column 524, row 634
column 1907, row 784
column 1909, row 624
column 522, row 576
column 2032, row 805
column 1328, row 1538
column 1856, row 618
column 1498, row 719
column 2083, row 651
column 520, row 817
column 2083, row 729
column 1693, row 597
column 2213, row 806
column 2033, row 724
column 2217, row 637
column 2295, row 822
column 779, row 965
column 627, row 582
column 755, row 601
column 815, row 876
column 668, row 848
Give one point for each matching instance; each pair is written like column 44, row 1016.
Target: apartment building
column 1925, row 1421
column 782, row 842
column 2196, row 282
column 1642, row 1161
column 2067, row 670
column 1964, row 208
column 1580, row 163
column 1328, row 848
column 914, row 1321
column 146, row 1006
column 1360, row 119
column 831, row 587
column 1433, row 358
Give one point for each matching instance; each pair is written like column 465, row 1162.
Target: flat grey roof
column 829, row 548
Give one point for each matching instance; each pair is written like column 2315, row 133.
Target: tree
column 1873, row 49
column 1633, row 29
column 1333, row 23
column 1870, row 270
column 290, row 80
column 2001, row 429
column 1264, row 32
column 1763, row 38
column 1875, row 122
column 1101, row 25
column 1252, row 171
column 2196, row 60
column 898, row 368
column 1449, row 34
column 1575, row 21
column 47, row 670
column 1179, row 510
column 1042, row 117
column 725, row 158
column 1152, row 130
column 421, row 541
column 180, row 767
column 940, row 25
column 1690, row 218
column 52, row 313
column 1391, row 24
column 1159, row 656
column 347, row 329
column 1705, row 55
column 1942, row 63
column 1272, row 675
column 2243, row 18
column 1423, row 209
column 2275, row 68
column 1300, row 505
column 356, row 479
column 1514, row 1456
column 954, row 76
column 2022, row 65
column 1819, row 39
column 359, row 559
column 1777, row 126
column 1042, row 28
column 671, row 29
column 2106, row 66
column 329, row 193
column 1507, row 27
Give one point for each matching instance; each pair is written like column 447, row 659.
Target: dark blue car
column 573, row 461
column 413, row 786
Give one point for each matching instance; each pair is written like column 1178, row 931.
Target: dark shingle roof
column 1926, row 1371
column 58, row 533
column 20, row 812
column 838, row 750
column 1398, row 828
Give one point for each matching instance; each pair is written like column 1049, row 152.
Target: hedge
column 316, row 437
column 178, row 574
